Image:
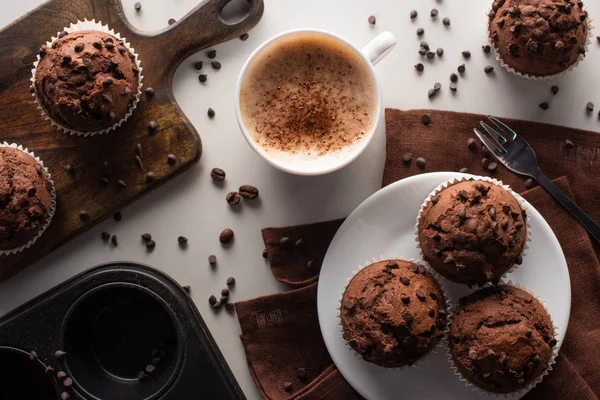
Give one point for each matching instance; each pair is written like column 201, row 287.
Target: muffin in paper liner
column 521, row 392
column 89, row 25
column 494, row 181
column 590, row 35
column 52, row 200
column 447, row 304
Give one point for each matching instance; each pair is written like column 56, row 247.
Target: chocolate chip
column 529, row 183
column 211, row 54
column 472, row 144
column 554, row 89
column 406, row 157
column 466, row 54
column 413, row 14
column 453, row 77
column 146, row 237
column 589, row 106
column 301, row 373
column 212, row 259
column 137, row 6
column 149, row 92
column 225, row 292
column 49, row 371
column 569, row 145
column 151, row 244
column 199, row 65
column 407, row 316
column 121, row 49
column 171, row 21
column 464, row 170
column 348, row 304
column 435, row 199
column 424, row 45
column 462, row 68
column 449, row 259
column 150, row 177
column 437, row 86
column 446, row 21
column 421, row 162
column 518, row 225
column 244, row 37
column 552, row 342
column 109, row 45
column 226, row 236
column 423, row 51
column 202, row 78
column 404, row 280
column 171, row 159
column 492, row 166
column 210, row 113
column 434, row 12
column 230, row 281
column 105, row 236
column 485, row 162
column 439, row 51
column 430, row 55
column 61, row 375
column 121, row 183
column 66, row 59
column 310, row 264
column 84, row 215
column 419, row 67
column 453, row 87
column 233, row 198
column 504, row 224
column 43, row 50
column 113, row 240
column 431, row 93
column 502, row 357
column 488, row 69
column 462, row 214
column 97, row 45
column 426, row 119
column 78, row 47
column 117, row 216
column 248, row 192
column 67, row 382
column 152, row 127
column 265, row 254
column 486, row 49
column 217, row 305
column 216, row 65
column 544, row 106
column 420, row 32
column 420, row 295
column 287, row 386
column 473, row 354
column 372, row 20
column 182, row 240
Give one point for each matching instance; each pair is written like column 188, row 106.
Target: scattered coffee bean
column 230, row 281
column 439, row 52
column 488, row 69
column 554, row 89
column 61, row 375
column 182, row 240
column 137, row 6
column 171, row 159
column 287, row 386
column 210, row 113
column 248, row 192
column 420, row 32
column 544, row 106
column 492, row 166
column 211, row 54
column 152, row 127
column 434, row 12
column 146, row 237
column 226, row 236
column 199, row 65
column 84, row 215
column 150, row 245
column 217, row 174
column 372, row 20
column 464, row 170
column 265, row 253
column 569, row 145
column 413, row 14
column 426, row 119
column 67, row 382
column 225, row 292
column 486, row 49
column 421, row 162
column 121, row 183
column 113, row 240
column 446, row 21
column 466, row 54
column 453, row 87
column 244, row 37
column 202, row 78
column 406, row 157
column 529, row 183
column 430, row 55
column 589, row 106
column 117, row 216
column 419, row 67
column 150, row 177
column 171, row 21
column 216, row 65
column 105, row 236
column 233, row 198
column 462, row 68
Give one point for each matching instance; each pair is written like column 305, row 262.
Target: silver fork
column 516, row 154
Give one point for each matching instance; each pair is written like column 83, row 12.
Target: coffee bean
column 265, row 253
column 150, row 245
column 421, row 162
column 437, row 86
column 233, row 198
column 171, row 159
column 462, row 68
column 569, row 145
column 210, row 113
column 248, row 192
column 61, row 375
column 105, row 236
column 217, row 174
column 446, row 21
column 226, row 236
column 244, row 37
column 149, row 92
column 84, row 215
column 199, row 65
column 439, row 52
column 420, row 32
column 152, row 127
column 150, row 177
column 372, row 20
column 113, row 240
column 171, row 21
column 182, row 240
column 406, row 157
column 117, row 216
column 202, row 78
column 426, row 119
column 492, row 166
column 544, row 106
column 121, row 183
column 67, row 382
column 466, row 54
column 589, row 106
column 486, row 49
column 434, row 12
column 413, row 14
column 137, row 6
column 230, row 281
column 419, row 67
column 216, row 65
column 529, row 183
column 488, row 69
column 453, row 87
column 287, row 386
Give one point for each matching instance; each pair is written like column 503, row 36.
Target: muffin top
column 472, row 232
column 539, row 37
column 393, row 313
column 87, row 80
column 501, row 339
column 25, row 198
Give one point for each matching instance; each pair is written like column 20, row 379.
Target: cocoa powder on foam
column 308, row 93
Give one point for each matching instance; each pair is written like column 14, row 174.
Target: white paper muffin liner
column 52, row 199
column 507, row 67
column 447, row 303
column 90, row 25
column 496, row 182
column 521, row 392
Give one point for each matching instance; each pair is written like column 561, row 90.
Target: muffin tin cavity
column 23, row 378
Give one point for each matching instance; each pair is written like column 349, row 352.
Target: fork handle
column 592, row 227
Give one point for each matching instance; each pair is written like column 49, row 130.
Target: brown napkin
column 281, row 333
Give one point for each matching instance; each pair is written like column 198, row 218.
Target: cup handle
column 379, row 47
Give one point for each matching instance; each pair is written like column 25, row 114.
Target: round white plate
column 383, row 225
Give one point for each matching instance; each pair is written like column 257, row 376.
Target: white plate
column 383, row 225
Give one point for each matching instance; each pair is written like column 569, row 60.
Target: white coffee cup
column 301, row 164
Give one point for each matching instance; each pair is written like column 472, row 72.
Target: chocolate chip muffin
column 393, row 313
column 86, row 81
column 25, row 198
column 539, row 37
column 501, row 339
column 472, row 232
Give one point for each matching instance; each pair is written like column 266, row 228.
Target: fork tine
column 511, row 134
column 489, row 144
column 499, row 138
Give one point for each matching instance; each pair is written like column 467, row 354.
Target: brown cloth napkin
column 281, row 333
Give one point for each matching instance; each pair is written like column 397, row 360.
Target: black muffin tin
column 115, row 322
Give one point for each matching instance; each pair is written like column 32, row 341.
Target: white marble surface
column 192, row 206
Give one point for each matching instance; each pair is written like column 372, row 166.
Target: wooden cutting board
column 160, row 53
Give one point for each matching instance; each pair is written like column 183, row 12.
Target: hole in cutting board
column 234, row 11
